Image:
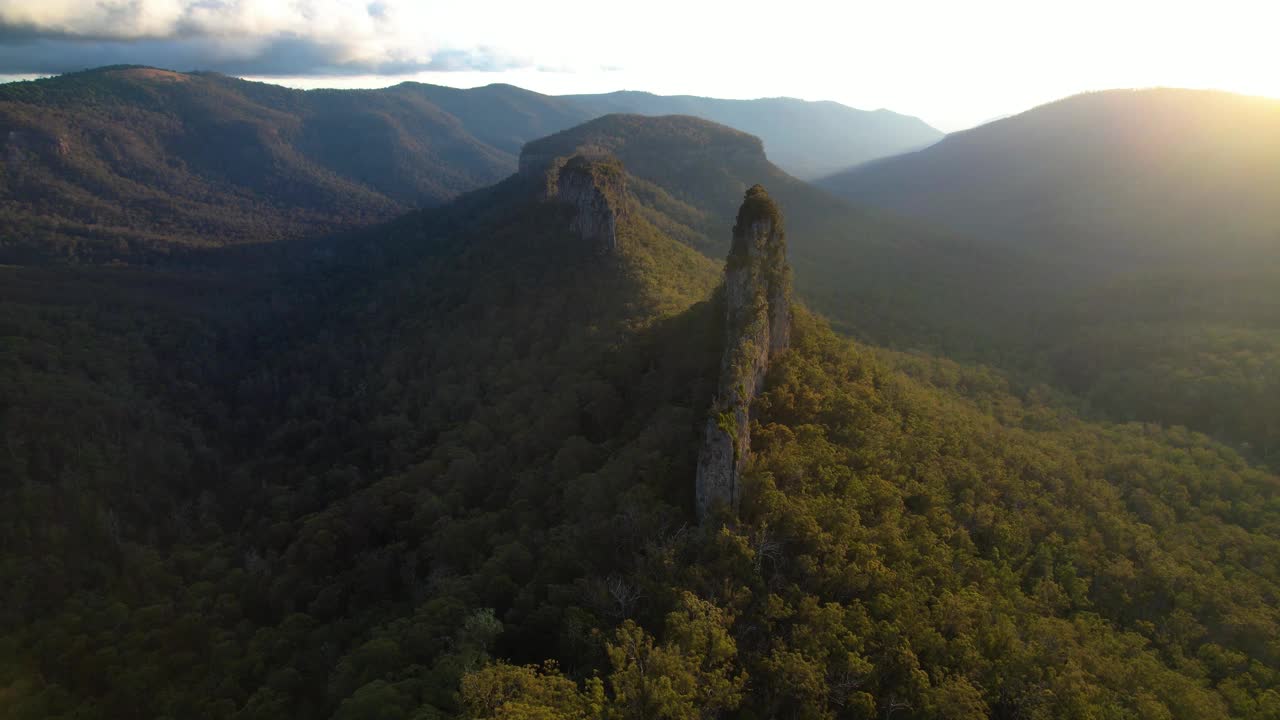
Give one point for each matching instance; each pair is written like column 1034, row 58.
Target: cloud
column 257, row 37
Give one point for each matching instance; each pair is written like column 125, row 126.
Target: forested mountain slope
column 138, row 165
column 1151, row 225
column 482, row 360
column 358, row 486
column 1158, row 200
column 917, row 540
column 133, row 164
column 120, row 162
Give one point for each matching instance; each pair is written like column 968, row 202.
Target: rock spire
column 757, row 297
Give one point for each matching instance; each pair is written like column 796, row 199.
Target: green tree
column 529, row 692
column 691, row 675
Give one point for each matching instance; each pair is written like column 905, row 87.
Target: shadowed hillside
column 119, row 162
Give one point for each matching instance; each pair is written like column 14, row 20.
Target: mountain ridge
column 1149, row 226
column 124, row 160
column 834, row 138
column 1119, row 167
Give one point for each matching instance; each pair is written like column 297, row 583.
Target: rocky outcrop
column 757, row 296
column 597, row 191
column 20, row 143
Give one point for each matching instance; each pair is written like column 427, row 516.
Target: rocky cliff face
column 595, row 191
column 757, row 293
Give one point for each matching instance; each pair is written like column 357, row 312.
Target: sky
column 954, row 64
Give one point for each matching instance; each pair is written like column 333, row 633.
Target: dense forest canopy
column 444, row 466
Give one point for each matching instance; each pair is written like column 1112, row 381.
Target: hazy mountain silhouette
column 1149, row 228
column 1138, row 173
column 807, row 139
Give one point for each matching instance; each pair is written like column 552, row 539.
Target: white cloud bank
column 953, row 63
column 264, row 37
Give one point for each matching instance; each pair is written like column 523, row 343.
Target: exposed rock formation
column 595, row 189
column 18, row 143
column 757, row 294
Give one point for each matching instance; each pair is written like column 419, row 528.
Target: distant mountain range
column 102, row 162
column 128, row 157
column 1138, row 173
column 807, row 139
